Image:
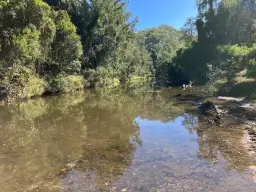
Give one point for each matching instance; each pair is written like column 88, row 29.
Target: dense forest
column 49, row 46
column 225, row 43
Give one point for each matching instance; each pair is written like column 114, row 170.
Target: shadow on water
column 114, row 140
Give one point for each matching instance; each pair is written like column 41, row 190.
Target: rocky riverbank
column 242, row 113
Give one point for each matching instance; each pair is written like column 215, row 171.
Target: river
column 118, row 140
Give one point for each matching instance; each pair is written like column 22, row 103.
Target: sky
column 152, row 13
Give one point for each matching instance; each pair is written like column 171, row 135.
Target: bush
column 37, row 42
column 252, row 68
column 33, row 87
column 138, row 79
column 66, row 48
column 236, row 58
column 102, row 77
column 22, row 82
column 66, row 84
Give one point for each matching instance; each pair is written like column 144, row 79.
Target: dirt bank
column 243, row 113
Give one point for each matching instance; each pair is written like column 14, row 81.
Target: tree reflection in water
column 217, row 142
column 47, row 144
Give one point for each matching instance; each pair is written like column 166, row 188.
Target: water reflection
column 37, row 140
column 110, row 140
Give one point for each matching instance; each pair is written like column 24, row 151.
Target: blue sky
column 152, row 13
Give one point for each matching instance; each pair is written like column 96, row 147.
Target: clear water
column 118, row 140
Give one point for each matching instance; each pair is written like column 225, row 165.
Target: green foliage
column 189, row 31
column 235, row 50
column 34, row 86
column 252, row 68
column 226, row 37
column 111, row 28
column 191, row 64
column 129, row 59
column 59, row 40
column 35, row 42
column 110, row 47
column 137, row 80
column 234, row 58
column 161, row 43
column 21, row 82
column 66, row 48
column 101, row 77
column 3, row 3
column 22, row 24
column 27, row 46
column 66, row 84
column 252, row 62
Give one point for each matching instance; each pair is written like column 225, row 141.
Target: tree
column 189, row 31
column 162, row 43
column 110, row 28
column 206, row 6
column 27, row 31
column 36, row 42
column 131, row 59
column 221, row 25
column 66, row 48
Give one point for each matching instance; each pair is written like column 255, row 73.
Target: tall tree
column 189, row 30
column 206, row 5
column 162, row 43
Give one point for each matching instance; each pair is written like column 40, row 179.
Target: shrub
column 66, row 84
column 252, row 68
column 33, row 87
column 22, row 82
column 66, row 48
column 101, row 77
column 236, row 58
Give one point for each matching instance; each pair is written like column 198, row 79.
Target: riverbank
column 38, row 87
column 233, row 112
column 244, row 114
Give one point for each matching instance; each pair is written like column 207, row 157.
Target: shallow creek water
column 117, row 140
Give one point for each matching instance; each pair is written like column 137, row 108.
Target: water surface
column 117, row 140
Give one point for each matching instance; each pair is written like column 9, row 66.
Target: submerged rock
column 196, row 103
column 208, row 107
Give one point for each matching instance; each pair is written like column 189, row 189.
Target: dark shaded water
column 118, row 141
